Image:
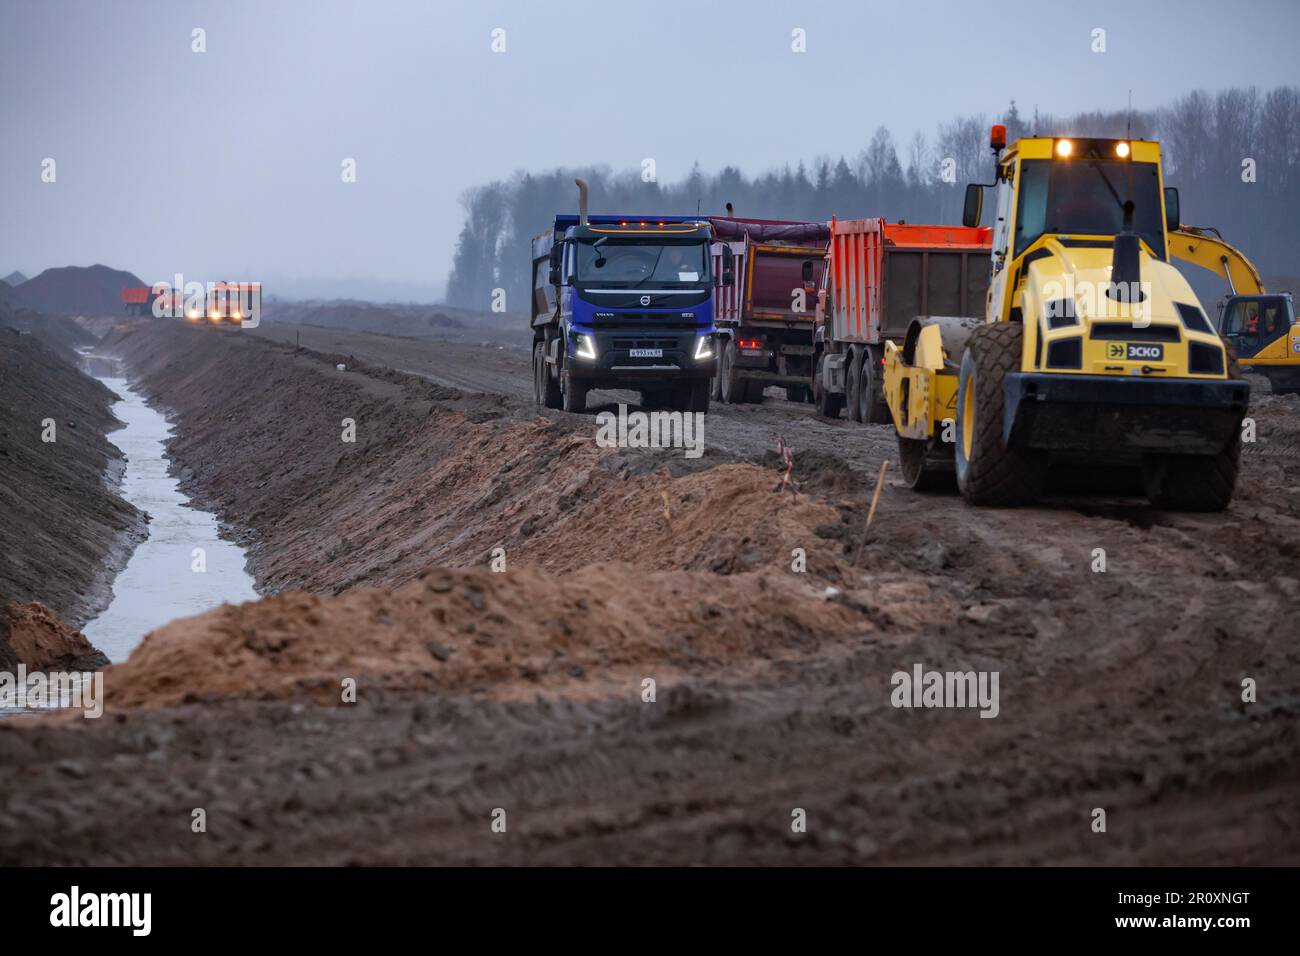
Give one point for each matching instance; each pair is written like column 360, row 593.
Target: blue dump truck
column 624, row 302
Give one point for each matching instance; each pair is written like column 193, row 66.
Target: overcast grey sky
column 227, row 163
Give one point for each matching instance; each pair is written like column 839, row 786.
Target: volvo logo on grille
column 645, row 300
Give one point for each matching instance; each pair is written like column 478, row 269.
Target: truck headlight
column 703, row 348
column 586, row 347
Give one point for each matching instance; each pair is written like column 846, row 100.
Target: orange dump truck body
column 881, row 275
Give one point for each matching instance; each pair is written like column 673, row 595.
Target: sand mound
column 90, row 290
column 599, row 632
column 32, row 634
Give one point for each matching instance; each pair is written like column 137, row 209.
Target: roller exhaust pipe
column 582, row 201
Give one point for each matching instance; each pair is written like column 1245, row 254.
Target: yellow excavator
column 1262, row 327
column 1092, row 350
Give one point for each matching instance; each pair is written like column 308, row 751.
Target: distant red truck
column 231, row 302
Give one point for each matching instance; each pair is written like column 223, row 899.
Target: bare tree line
column 1234, row 155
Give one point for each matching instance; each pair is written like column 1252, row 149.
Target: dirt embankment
column 439, row 480
column 433, row 477
column 63, row 531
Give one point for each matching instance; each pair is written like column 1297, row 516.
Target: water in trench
column 162, row 580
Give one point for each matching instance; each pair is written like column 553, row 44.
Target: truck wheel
column 574, row 391
column 754, row 392
column 927, row 464
column 989, row 473
column 732, row 389
column 872, row 393
column 853, row 387
column 546, row 390
column 796, row 393
column 828, row 403
column 715, row 384
column 695, row 396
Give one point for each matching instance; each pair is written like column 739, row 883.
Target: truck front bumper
column 1106, row 416
column 615, row 365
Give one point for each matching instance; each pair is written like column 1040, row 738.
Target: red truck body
column 765, row 318
column 879, row 276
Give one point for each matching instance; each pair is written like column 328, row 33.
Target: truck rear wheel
column 989, row 473
column 828, row 403
column 853, row 387
column 546, row 390
column 871, row 395
column 731, row 389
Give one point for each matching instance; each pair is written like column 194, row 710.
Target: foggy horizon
column 227, row 163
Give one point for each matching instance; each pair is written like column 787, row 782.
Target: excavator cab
column 1266, row 336
column 1257, row 324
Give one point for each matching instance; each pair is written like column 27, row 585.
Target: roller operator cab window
column 635, row 263
column 1071, row 197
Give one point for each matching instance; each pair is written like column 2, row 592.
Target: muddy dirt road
column 525, row 691
column 749, row 432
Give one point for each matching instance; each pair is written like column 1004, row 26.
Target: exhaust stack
column 582, row 201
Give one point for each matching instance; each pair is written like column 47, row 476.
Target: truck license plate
column 647, row 353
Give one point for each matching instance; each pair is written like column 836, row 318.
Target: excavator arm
column 1205, row 248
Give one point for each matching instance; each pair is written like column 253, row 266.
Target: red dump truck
column 765, row 318
column 138, row 300
column 878, row 277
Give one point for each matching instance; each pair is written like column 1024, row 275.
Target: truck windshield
column 1070, row 197
column 637, row 263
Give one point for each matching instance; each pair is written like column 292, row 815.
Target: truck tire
column 573, row 391
column 715, row 384
column 1195, row 482
column 796, row 393
column 694, row 396
column 989, row 473
column 731, row 389
column 754, row 392
column 872, row 392
column 546, row 390
column 828, row 403
column 853, row 387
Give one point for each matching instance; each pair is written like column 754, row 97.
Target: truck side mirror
column 557, row 259
column 1173, row 215
column 974, row 205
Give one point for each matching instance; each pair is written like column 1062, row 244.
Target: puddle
column 161, row 581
